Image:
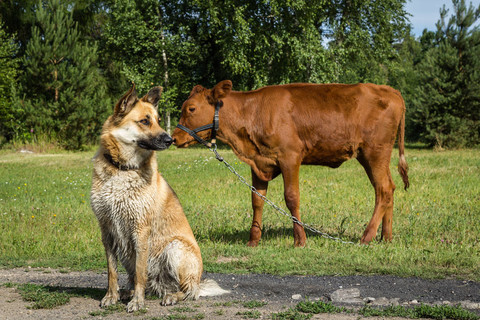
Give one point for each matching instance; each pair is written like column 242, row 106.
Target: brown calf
column 275, row 129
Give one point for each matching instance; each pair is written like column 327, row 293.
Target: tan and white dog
column 140, row 217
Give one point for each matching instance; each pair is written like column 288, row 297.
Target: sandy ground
column 279, row 294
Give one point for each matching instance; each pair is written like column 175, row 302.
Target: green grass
column 42, row 297
column 251, row 314
column 46, row 220
column 252, row 304
column 423, row 311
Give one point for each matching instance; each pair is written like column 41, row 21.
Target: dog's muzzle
column 160, row 142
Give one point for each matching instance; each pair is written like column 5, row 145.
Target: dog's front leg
column 140, row 278
column 113, row 295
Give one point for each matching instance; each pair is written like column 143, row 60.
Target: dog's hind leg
column 175, row 274
column 189, row 281
column 113, row 295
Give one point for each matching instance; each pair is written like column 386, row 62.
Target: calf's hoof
column 300, row 243
column 252, row 243
column 366, row 238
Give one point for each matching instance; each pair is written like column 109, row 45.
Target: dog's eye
column 145, row 122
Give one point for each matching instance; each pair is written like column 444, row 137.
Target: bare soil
column 279, row 294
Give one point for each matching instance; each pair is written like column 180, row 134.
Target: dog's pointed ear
column 197, row 89
column 153, row 96
column 220, row 91
column 126, row 103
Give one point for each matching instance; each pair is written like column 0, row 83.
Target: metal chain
column 273, row 205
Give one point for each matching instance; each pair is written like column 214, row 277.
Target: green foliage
column 8, row 81
column 80, row 56
column 363, row 33
column 62, row 83
column 446, row 105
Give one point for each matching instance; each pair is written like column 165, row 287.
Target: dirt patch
column 271, row 294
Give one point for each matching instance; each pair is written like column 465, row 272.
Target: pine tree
column 8, row 80
column 448, row 102
column 62, row 81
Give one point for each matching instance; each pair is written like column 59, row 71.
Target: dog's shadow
column 92, row 293
column 89, row 293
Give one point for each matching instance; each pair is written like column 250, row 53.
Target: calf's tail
column 402, row 163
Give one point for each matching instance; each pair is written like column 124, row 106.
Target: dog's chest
column 123, row 200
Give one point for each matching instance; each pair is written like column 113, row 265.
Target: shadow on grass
column 268, row 233
column 92, row 293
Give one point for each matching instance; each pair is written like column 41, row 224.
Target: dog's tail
column 209, row 288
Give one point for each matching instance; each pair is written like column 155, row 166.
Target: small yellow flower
column 54, row 215
column 33, row 217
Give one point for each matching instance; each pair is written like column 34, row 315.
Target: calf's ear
column 126, row 103
column 197, row 89
column 153, row 96
column 221, row 90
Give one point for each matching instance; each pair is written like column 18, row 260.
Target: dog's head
column 135, row 122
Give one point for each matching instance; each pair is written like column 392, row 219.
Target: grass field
column 46, row 220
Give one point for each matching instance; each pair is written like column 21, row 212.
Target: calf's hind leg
column 377, row 167
column 257, row 206
column 290, row 172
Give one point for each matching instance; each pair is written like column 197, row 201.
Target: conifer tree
column 62, row 82
column 447, row 106
column 8, row 81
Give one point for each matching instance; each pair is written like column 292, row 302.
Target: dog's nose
column 168, row 140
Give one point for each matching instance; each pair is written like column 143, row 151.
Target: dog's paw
column 109, row 300
column 169, row 299
column 135, row 304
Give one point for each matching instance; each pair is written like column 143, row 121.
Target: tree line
column 64, row 63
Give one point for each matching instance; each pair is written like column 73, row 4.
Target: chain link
column 273, row 205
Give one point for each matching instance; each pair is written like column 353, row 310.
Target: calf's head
column 198, row 110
